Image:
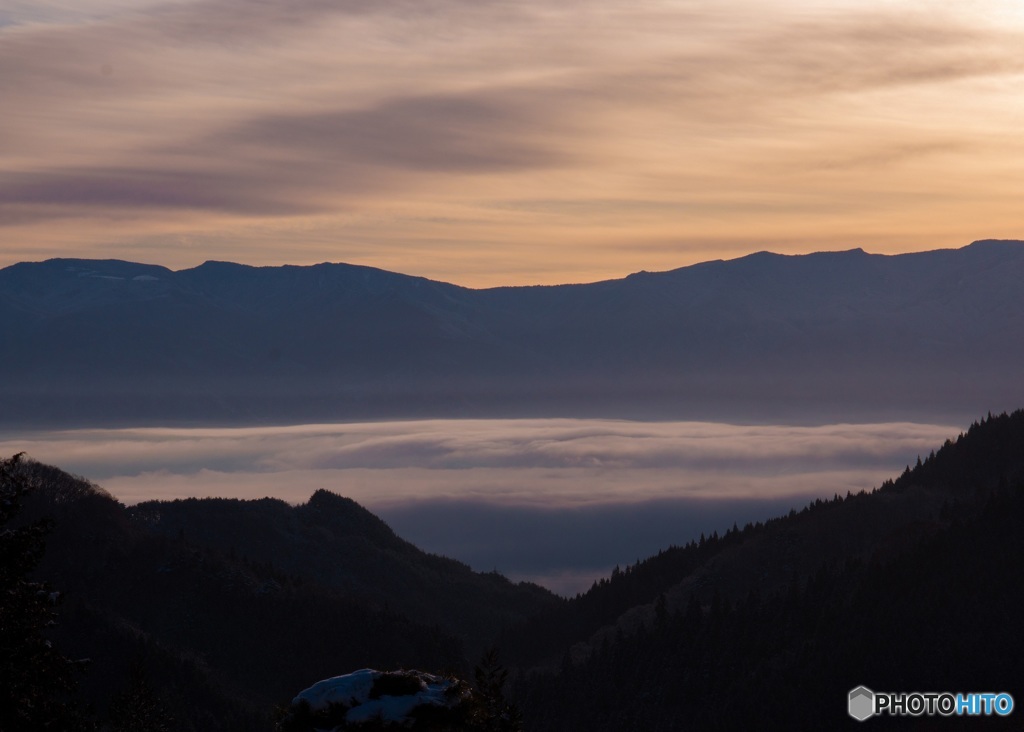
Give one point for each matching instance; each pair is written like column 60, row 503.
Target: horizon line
column 283, row 265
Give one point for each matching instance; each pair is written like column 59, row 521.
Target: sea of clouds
column 559, row 501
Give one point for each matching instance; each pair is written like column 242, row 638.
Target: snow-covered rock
column 380, row 699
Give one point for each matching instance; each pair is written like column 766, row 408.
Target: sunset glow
column 506, row 143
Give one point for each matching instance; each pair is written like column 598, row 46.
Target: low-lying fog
column 557, row 501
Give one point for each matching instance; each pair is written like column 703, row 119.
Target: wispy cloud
column 441, row 133
column 532, row 462
column 385, row 132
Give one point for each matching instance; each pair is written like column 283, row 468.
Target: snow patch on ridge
column 391, row 697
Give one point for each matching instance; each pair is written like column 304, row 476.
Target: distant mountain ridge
column 106, row 341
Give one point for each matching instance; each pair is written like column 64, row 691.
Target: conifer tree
column 498, row 714
column 37, row 678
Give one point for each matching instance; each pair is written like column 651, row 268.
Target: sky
column 557, row 501
column 489, row 143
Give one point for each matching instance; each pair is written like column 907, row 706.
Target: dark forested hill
column 233, row 606
column 340, row 545
column 916, row 586
column 927, row 334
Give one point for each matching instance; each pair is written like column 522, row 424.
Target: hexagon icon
column 862, row 703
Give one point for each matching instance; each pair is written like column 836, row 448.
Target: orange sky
column 485, row 142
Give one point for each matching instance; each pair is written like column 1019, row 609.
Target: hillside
column 805, row 337
column 231, row 606
column 914, row 586
column 338, row 544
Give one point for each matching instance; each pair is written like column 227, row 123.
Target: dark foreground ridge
column 867, row 336
column 916, row 586
column 218, row 612
column 229, row 607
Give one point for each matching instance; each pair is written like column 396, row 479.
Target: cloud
column 569, row 549
column 470, row 133
column 530, row 461
column 589, row 494
column 126, row 189
column 879, row 49
column 386, row 131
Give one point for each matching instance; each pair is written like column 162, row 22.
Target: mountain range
column 230, row 608
column 929, row 335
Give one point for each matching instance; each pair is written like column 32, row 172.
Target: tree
column 138, row 708
column 497, row 715
column 37, row 678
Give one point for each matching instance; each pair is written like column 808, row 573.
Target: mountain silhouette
column 925, row 335
column 913, row 586
column 232, row 606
